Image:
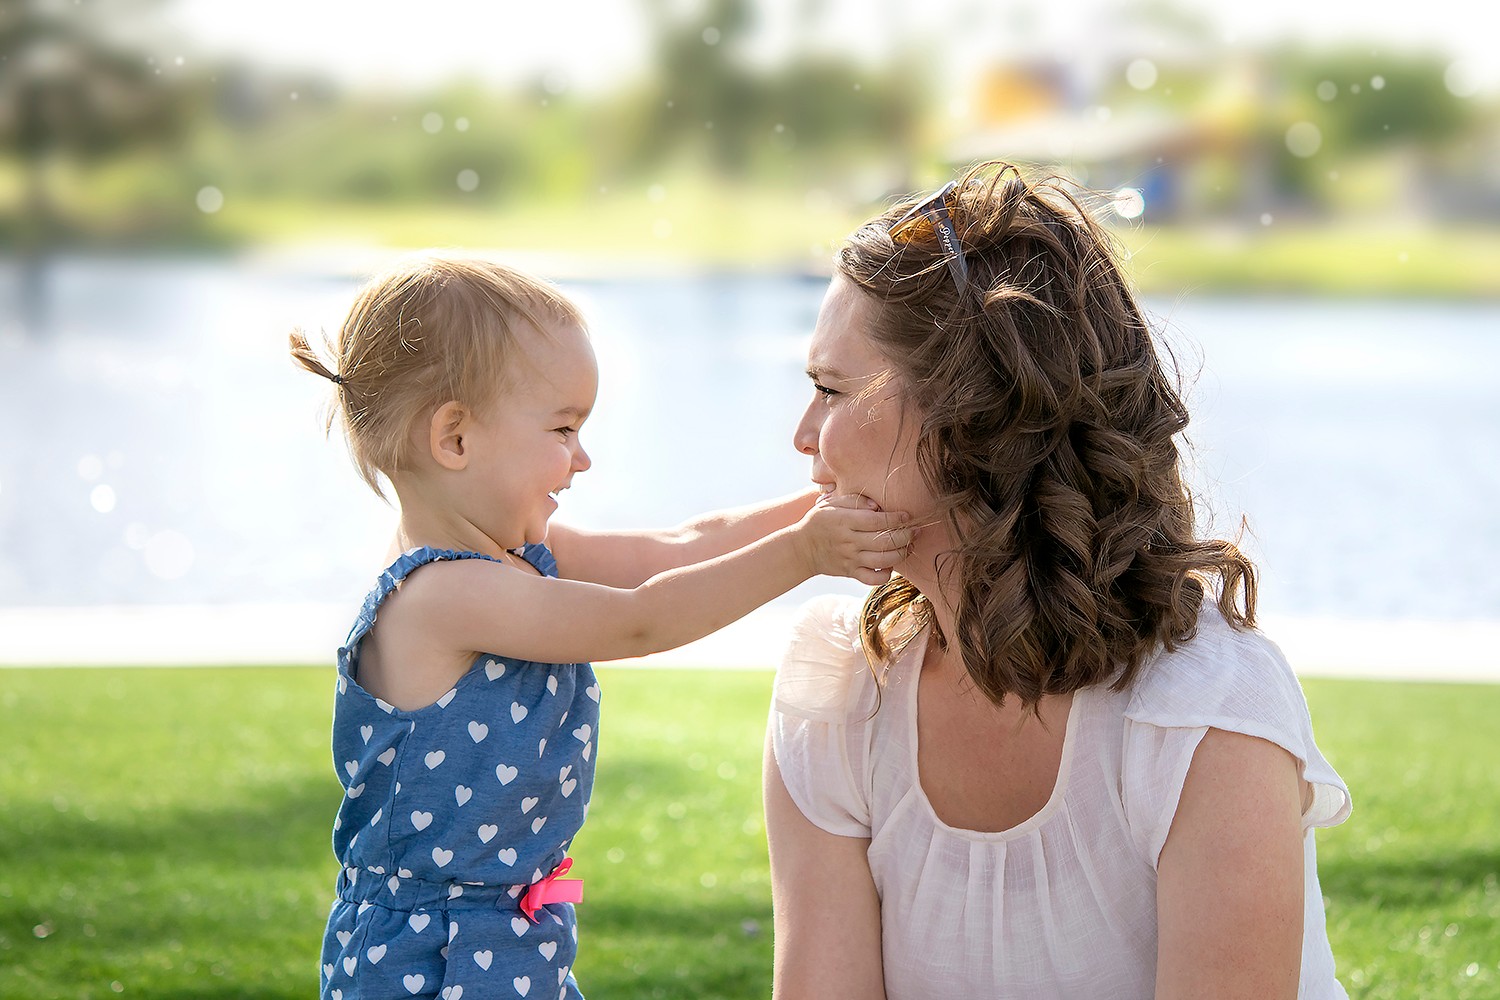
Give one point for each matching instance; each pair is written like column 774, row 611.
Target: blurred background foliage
column 114, row 138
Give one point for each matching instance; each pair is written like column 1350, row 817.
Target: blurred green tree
column 70, row 94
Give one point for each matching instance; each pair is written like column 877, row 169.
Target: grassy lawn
column 165, row 834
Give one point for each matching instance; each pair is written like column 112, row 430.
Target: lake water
column 161, row 449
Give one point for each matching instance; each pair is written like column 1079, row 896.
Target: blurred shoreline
column 308, row 635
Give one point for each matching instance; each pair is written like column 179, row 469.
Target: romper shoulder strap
column 393, row 575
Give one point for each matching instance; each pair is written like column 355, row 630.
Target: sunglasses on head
column 933, row 211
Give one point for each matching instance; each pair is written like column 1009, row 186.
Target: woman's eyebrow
column 820, row 372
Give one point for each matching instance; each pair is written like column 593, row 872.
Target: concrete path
column 309, row 635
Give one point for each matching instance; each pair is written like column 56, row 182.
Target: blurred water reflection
column 162, row 449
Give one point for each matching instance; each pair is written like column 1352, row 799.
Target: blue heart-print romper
column 450, row 812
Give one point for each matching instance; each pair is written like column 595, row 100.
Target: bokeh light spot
column 1128, row 203
column 102, row 498
column 1462, row 78
column 1327, row 90
column 1141, row 74
column 468, row 180
column 432, row 123
column 210, row 199
column 1304, row 139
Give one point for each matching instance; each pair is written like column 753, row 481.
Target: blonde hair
column 432, row 329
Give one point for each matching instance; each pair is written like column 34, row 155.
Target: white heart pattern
column 583, row 732
column 445, row 699
column 552, row 684
column 538, row 823
column 506, row 774
column 343, row 937
column 529, row 803
column 487, row 832
column 494, row 670
column 421, row 820
column 478, row 731
column 413, row 983
column 356, row 791
column 547, row 949
column 508, row 855
column 352, row 766
column 441, row 857
column 483, row 959
column 452, row 992
column 375, row 954
column 522, row 984
column 517, row 712
column 593, row 691
column 519, row 925
column 387, row 756
column 434, row 758
column 568, row 786
column 366, row 732
column 419, row 921
column 349, row 964
column 463, row 794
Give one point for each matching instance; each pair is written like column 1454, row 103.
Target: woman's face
column 859, row 431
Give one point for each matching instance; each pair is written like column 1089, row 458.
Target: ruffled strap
column 819, row 720
column 822, row 658
column 403, row 567
column 1237, row 681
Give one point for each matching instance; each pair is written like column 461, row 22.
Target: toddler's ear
column 445, row 436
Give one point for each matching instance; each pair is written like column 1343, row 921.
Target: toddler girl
column 467, row 715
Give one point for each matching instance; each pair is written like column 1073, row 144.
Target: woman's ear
column 445, row 435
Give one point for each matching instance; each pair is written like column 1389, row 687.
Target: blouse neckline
column 918, row 649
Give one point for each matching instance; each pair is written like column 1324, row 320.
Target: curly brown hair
column 1047, row 440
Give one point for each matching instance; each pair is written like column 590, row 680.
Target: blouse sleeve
column 816, row 723
column 1221, row 679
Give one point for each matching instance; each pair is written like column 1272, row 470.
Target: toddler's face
column 529, row 439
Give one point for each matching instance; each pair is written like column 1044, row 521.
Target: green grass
column 165, row 834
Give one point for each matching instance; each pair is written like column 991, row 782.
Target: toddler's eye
column 565, row 431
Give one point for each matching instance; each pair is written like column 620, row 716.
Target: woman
column 1051, row 757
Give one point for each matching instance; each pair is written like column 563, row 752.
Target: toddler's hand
column 845, row 536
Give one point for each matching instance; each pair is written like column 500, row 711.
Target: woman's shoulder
column 1238, row 681
column 1219, row 671
column 823, row 668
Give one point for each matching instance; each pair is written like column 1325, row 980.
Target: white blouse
column 1063, row 905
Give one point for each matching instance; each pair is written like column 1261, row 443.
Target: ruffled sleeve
column 817, row 724
column 1221, row 679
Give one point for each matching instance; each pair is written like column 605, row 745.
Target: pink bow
column 552, row 888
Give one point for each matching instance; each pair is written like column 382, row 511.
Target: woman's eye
column 824, row 391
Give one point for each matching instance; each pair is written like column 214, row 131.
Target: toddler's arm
column 630, row 558
column 479, row 606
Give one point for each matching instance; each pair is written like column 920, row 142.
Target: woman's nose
column 805, row 439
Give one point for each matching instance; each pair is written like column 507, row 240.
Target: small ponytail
column 304, row 355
